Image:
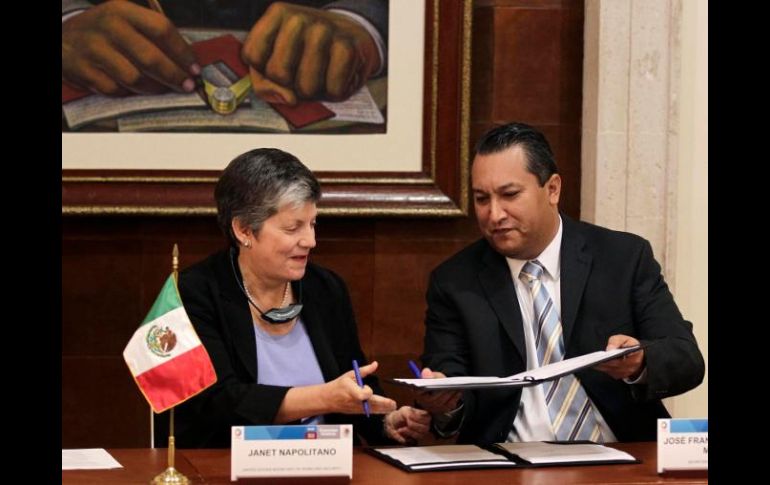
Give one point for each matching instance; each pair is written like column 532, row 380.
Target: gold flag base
column 170, row 475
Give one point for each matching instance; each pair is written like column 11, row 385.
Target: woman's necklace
column 258, row 316
column 283, row 302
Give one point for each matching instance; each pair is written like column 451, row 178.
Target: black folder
column 527, row 455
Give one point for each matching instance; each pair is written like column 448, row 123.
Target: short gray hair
column 256, row 184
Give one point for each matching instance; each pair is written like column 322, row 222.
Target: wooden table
column 213, row 467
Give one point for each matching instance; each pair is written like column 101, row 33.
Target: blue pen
column 360, row 382
column 415, row 369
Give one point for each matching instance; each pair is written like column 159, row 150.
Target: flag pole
column 171, row 475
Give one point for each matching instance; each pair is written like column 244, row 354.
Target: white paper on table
column 427, row 457
column 88, row 459
column 541, row 453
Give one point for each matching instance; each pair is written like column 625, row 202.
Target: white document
column 95, row 107
column 415, row 455
column 538, row 453
column 359, row 107
column 502, row 455
column 88, row 459
column 522, row 379
column 444, row 457
column 259, row 118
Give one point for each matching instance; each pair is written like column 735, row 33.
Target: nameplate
column 322, row 450
column 683, row 445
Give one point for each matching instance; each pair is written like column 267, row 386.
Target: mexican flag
column 167, row 359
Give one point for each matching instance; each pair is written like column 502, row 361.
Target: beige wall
column 692, row 198
column 644, row 143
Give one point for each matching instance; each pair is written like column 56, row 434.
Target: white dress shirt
column 532, row 421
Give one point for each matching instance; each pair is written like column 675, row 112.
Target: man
column 539, row 288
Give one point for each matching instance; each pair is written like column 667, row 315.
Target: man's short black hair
column 540, row 161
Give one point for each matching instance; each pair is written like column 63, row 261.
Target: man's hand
column 117, row 48
column 437, row 402
column 299, row 52
column 407, row 424
column 627, row 367
column 343, row 394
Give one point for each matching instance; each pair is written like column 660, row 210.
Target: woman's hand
column 407, row 424
column 343, row 395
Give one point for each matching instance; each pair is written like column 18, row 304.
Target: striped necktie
column 571, row 412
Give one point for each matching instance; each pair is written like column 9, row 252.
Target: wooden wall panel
column 527, row 58
column 527, row 66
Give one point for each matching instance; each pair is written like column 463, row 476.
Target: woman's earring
column 247, row 243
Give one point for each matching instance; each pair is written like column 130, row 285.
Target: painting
column 415, row 164
column 297, row 66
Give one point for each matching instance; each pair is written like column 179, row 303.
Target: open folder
column 527, row 378
column 501, row 455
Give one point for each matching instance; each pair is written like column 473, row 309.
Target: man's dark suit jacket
column 610, row 284
column 220, row 314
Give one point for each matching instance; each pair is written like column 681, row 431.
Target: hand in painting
column 296, row 52
column 117, row 48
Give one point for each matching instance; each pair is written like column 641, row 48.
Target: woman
column 279, row 330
